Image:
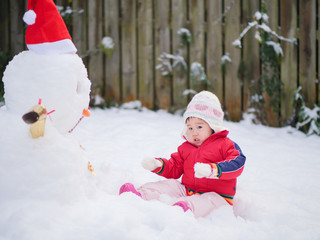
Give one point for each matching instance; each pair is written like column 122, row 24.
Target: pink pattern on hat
column 201, row 107
column 206, row 110
column 217, row 113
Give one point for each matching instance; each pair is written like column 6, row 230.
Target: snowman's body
column 60, row 80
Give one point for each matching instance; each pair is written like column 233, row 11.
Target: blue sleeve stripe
column 235, row 164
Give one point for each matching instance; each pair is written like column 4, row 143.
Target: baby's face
column 197, row 130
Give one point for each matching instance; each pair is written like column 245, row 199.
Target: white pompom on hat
column 29, row 17
column 46, row 32
column 206, row 106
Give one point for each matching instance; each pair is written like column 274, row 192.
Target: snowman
column 50, row 75
column 48, row 86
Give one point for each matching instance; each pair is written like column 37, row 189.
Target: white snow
column 165, row 60
column 310, row 116
column 257, row 36
column 276, row 47
column 107, row 43
column 184, row 31
column 189, row 91
column 65, row 13
column 48, row 193
column 197, row 72
column 264, row 27
column 237, row 42
column 226, row 58
column 257, row 15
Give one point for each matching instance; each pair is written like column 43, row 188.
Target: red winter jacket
column 219, row 149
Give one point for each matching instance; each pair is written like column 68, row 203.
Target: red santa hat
column 46, row 32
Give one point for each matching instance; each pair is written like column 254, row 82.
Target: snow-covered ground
column 47, row 191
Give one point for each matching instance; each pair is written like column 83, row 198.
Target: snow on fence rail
column 142, row 30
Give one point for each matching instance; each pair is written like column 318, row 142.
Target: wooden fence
column 143, row 29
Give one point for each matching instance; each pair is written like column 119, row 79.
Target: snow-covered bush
column 262, row 28
column 4, row 59
column 185, row 36
column 270, row 54
column 168, row 62
column 107, row 45
column 308, row 120
column 197, row 74
column 66, row 14
column 189, row 92
column 224, row 60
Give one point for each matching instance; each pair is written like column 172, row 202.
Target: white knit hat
column 206, row 106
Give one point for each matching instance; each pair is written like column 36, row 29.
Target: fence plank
column 79, row 26
column 4, row 26
column 60, row 3
column 128, row 54
column 232, row 81
column 272, row 12
column 145, row 54
column 180, row 76
column 307, row 49
column 112, row 63
column 251, row 54
column 318, row 54
column 162, row 44
column 94, row 40
column 213, row 48
column 17, row 26
column 196, row 9
column 289, row 62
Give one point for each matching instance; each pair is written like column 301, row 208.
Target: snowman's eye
column 30, row 117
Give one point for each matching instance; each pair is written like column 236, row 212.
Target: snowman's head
column 60, row 80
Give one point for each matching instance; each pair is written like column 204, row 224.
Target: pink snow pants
column 201, row 205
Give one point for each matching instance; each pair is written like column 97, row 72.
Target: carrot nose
column 86, row 112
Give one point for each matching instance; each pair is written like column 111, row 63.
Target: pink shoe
column 182, row 204
column 128, row 187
